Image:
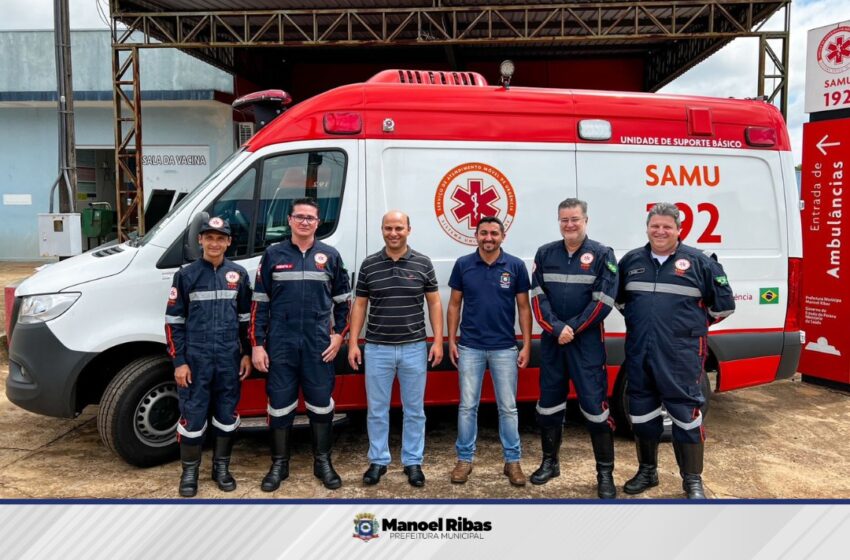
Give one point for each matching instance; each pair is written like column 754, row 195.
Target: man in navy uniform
column 206, row 327
column 301, row 282
column 574, row 283
column 670, row 294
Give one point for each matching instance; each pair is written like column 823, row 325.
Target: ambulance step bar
column 258, row 423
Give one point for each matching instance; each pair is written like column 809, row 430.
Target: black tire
column 620, row 406
column 138, row 413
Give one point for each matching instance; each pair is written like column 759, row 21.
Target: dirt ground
column 785, row 440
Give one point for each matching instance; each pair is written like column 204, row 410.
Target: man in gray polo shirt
column 392, row 283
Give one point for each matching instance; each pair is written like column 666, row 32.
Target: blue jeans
column 503, row 371
column 383, row 363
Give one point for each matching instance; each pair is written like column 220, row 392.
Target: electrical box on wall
column 59, row 235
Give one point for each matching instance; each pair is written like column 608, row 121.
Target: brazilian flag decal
column 612, row 267
column 768, row 295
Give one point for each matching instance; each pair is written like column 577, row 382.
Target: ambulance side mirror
column 191, row 247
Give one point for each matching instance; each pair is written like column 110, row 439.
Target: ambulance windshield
column 197, row 191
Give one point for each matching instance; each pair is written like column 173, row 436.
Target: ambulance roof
column 492, row 113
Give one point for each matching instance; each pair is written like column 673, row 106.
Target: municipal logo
column 833, row 52
column 470, row 192
column 768, row 296
column 365, row 527
column 505, row 280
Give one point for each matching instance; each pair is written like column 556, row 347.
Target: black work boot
column 689, row 456
column 190, row 460
column 647, row 473
column 279, row 470
column 322, row 443
column 603, row 451
column 221, row 464
column 550, row 441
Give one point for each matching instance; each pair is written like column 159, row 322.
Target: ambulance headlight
column 45, row 307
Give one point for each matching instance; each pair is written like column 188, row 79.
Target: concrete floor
column 785, row 440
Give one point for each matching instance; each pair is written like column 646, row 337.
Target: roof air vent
column 429, row 77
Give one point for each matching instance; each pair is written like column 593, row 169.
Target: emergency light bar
column 266, row 104
column 342, row 123
column 760, row 137
column 594, row 129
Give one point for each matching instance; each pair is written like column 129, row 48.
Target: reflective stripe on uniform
column 342, row 297
column 604, row 298
column 551, row 410
column 320, row 409
column 260, row 297
column 678, row 290
column 244, row 317
column 227, row 427
column 663, row 288
column 172, row 320
column 640, row 287
column 597, row 418
column 645, row 417
column 207, row 295
column 293, row 275
column 536, row 291
column 720, row 314
column 278, row 412
column 695, row 423
column 569, row 278
column 186, row 433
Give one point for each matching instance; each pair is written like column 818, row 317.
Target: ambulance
column 446, row 148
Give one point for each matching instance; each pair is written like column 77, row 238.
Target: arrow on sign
column 824, row 144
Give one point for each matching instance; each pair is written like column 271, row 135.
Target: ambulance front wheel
column 138, row 413
column 620, row 406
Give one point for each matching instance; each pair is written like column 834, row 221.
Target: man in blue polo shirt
column 490, row 285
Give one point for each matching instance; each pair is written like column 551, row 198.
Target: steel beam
column 129, row 184
column 591, row 23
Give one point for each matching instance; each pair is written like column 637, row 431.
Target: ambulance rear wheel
column 620, row 407
column 138, row 413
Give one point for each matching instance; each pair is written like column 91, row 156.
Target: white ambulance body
column 447, row 149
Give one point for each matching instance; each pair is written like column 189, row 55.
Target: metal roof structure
column 250, row 37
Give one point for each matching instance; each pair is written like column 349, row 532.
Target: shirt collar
column 648, row 249
column 404, row 257
column 500, row 260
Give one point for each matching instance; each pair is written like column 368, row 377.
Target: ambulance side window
column 316, row 174
column 236, row 206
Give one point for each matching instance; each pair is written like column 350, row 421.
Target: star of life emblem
column 833, row 52
column 470, row 192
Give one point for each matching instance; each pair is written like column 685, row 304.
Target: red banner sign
column 826, row 250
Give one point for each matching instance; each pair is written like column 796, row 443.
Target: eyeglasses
column 573, row 221
column 304, row 219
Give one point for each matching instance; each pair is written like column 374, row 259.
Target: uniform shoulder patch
column 721, row 280
column 612, row 267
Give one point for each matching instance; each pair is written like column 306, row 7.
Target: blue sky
column 732, row 72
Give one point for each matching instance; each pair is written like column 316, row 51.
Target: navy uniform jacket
column 295, row 295
column 578, row 291
column 207, row 314
column 670, row 307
